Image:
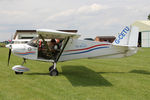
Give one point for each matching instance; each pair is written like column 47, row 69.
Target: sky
column 90, row 17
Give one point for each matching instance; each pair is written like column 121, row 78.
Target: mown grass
column 87, row 79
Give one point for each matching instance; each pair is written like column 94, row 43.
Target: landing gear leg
column 24, row 61
column 51, row 67
column 53, row 70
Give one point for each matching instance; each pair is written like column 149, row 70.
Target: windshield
column 34, row 42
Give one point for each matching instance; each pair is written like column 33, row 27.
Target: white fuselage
column 77, row 49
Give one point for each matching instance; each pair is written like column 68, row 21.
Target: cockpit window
column 34, row 42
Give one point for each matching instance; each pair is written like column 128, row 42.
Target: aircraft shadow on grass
column 82, row 76
column 37, row 74
column 132, row 71
column 140, row 72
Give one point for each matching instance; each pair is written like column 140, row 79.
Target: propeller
column 9, row 56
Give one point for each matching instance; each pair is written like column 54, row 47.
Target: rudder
column 127, row 37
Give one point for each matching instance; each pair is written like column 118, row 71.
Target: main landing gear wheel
column 54, row 72
column 18, row 72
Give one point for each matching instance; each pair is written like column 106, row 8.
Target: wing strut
column 64, row 45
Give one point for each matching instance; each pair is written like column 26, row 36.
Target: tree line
column 148, row 17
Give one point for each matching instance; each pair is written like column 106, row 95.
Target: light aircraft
column 68, row 47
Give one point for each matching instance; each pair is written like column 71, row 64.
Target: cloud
column 3, row 28
column 93, row 8
column 12, row 13
column 90, row 17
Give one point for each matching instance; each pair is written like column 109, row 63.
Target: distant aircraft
column 57, row 46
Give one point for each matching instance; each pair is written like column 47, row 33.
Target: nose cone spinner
column 8, row 46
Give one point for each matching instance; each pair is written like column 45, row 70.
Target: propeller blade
column 9, row 56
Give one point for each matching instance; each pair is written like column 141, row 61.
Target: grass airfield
column 85, row 79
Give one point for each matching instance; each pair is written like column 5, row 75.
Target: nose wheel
column 53, row 70
column 18, row 72
column 20, row 69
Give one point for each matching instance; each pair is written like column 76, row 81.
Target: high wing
column 53, row 34
column 47, row 33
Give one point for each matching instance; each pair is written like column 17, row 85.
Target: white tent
column 144, row 35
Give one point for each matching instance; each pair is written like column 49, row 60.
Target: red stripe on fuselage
column 87, row 48
column 25, row 52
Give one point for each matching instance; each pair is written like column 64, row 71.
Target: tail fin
column 127, row 37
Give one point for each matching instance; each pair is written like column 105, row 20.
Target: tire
column 51, row 68
column 18, row 72
column 54, row 72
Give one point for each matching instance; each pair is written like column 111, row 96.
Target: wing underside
column 46, row 33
